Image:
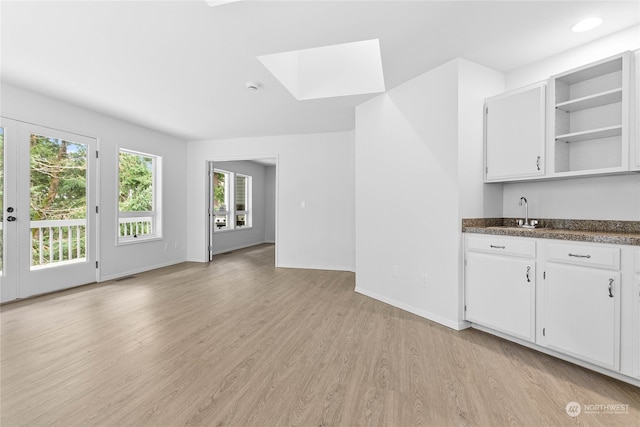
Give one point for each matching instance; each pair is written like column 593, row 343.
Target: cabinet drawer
column 595, row 256
column 517, row 246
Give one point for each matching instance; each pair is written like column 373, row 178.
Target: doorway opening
column 241, row 205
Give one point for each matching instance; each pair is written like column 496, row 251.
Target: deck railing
column 57, row 241
column 64, row 241
column 135, row 226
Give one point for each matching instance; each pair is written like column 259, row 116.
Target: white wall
column 603, row 198
column 270, row 205
column 225, row 241
column 609, row 198
column 418, row 162
column 115, row 261
column 614, row 44
column 475, row 83
column 316, row 170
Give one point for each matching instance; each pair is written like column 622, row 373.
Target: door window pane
column 1, row 199
column 58, row 201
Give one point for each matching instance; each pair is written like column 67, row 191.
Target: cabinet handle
column 538, row 162
column 610, row 288
column 528, row 270
column 579, row 256
column 498, row 247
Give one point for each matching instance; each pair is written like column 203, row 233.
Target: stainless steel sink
column 516, row 227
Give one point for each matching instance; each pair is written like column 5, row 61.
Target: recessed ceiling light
column 586, row 24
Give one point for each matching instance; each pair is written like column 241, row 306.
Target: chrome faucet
column 526, row 211
column 527, row 224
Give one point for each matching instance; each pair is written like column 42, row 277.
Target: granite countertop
column 614, row 232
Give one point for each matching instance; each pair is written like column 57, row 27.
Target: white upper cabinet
column 590, row 124
column 515, row 135
column 589, row 119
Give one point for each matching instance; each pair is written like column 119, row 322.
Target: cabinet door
column 637, row 326
column 582, row 313
column 500, row 293
column 515, row 134
column 635, row 115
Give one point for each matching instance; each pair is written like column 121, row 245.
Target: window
column 242, row 201
column 139, row 192
column 231, row 200
column 221, row 199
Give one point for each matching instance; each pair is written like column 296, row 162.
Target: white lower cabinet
column 500, row 284
column 635, row 297
column 637, row 326
column 585, row 308
column 581, row 302
column 500, row 293
column 582, row 313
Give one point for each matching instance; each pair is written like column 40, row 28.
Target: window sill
column 231, row 230
column 136, row 240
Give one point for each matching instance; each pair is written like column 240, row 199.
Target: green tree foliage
column 58, row 192
column 58, row 179
column 1, row 195
column 1, row 173
column 136, row 183
column 219, row 191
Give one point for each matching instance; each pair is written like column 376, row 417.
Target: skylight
column 329, row 71
column 219, row 2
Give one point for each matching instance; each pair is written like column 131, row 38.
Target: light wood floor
column 238, row 342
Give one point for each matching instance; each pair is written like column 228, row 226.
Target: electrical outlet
column 424, row 280
column 175, row 245
column 166, row 246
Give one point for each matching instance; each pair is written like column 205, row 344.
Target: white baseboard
column 236, row 248
column 618, row 375
column 458, row 326
column 139, row 270
column 317, row 267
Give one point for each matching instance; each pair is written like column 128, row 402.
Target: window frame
column 156, row 202
column 230, row 199
column 248, row 186
column 227, row 196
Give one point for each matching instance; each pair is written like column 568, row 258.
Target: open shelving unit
column 590, row 118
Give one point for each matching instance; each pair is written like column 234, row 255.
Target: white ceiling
column 181, row 66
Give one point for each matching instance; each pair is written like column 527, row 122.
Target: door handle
column 528, row 271
column 11, row 218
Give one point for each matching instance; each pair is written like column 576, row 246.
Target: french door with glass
column 48, row 210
